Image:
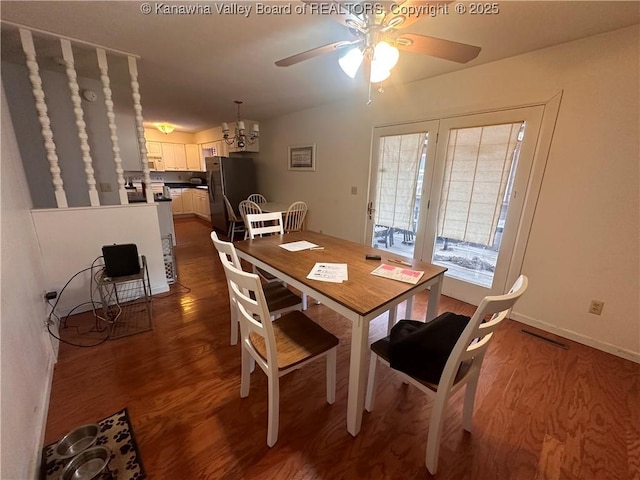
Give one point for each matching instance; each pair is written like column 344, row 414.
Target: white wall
column 584, row 242
column 72, row 238
column 65, row 136
column 26, row 350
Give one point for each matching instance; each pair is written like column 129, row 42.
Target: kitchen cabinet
column 201, row 203
column 215, row 149
column 176, row 201
column 187, row 200
column 195, row 162
column 174, row 156
column 154, row 148
column 154, row 157
column 182, row 200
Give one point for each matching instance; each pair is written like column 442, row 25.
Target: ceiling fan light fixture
column 350, row 62
column 385, row 55
column 378, row 74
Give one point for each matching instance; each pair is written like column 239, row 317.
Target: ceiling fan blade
column 437, row 47
column 408, row 12
column 314, row 52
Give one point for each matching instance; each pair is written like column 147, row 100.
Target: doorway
column 457, row 201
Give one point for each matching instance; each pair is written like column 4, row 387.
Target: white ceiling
column 192, row 67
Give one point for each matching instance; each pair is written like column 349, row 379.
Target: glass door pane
column 479, row 172
column 397, row 206
column 401, row 171
column 481, row 175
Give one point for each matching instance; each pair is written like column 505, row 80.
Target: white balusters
column 74, row 88
column 108, row 102
column 43, row 117
column 135, row 87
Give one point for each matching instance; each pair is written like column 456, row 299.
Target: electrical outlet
column 105, row 187
column 596, row 307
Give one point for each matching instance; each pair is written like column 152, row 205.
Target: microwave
column 155, row 163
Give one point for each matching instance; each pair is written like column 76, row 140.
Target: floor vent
column 549, row 340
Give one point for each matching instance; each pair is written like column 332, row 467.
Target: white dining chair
column 462, row 366
column 247, row 207
column 278, row 348
column 294, row 217
column 263, row 224
column 279, row 298
column 236, row 225
column 257, row 198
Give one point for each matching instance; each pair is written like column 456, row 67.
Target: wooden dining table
column 270, row 207
column 360, row 299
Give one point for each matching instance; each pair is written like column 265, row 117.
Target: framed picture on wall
column 302, row 158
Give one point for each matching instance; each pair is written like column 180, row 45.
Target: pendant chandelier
column 240, row 137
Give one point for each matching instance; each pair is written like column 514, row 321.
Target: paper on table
column 329, row 272
column 297, row 246
column 398, row 273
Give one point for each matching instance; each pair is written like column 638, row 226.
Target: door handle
column 370, row 210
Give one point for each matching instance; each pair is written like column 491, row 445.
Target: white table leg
column 357, row 375
column 408, row 308
column 391, row 321
column 434, row 298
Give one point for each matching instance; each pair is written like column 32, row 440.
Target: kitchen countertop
column 185, row 185
column 142, row 200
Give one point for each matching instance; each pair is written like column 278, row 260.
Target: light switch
column 354, row 190
column 105, row 187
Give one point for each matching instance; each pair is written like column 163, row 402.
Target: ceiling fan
column 377, row 28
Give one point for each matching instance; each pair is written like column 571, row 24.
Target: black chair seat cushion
column 422, row 349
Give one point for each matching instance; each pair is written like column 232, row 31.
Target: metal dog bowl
column 77, row 440
column 89, row 464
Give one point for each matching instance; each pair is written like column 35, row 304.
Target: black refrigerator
column 234, row 177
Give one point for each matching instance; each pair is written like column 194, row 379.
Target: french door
column 470, row 183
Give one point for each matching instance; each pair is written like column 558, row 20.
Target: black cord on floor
column 167, row 295
column 62, row 322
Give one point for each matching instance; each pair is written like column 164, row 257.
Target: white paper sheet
column 329, row 272
column 398, row 273
column 297, row 246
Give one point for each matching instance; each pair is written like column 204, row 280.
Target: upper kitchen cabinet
column 195, row 162
column 154, row 157
column 174, row 156
column 215, row 149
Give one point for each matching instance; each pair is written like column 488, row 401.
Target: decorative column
column 67, row 55
column 108, row 102
column 135, row 88
column 43, row 117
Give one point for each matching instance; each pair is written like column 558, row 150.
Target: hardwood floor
column 542, row 412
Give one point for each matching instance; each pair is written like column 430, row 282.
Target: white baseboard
column 577, row 337
column 34, row 467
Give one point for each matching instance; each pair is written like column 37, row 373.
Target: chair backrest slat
column 257, row 198
column 248, row 207
column 254, row 314
column 226, row 251
column 262, row 224
column 477, row 335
